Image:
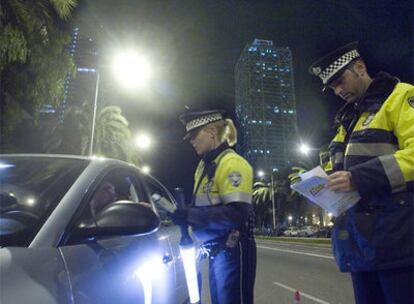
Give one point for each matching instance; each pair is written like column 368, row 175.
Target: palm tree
column 262, row 203
column 73, row 134
column 113, row 137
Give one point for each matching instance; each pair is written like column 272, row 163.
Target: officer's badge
column 207, row 187
column 368, row 120
column 235, row 178
column 316, row 70
column 411, row 101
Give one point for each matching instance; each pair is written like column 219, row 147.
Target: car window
column 116, row 185
column 162, row 200
column 30, row 189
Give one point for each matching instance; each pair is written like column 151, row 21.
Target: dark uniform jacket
column 375, row 142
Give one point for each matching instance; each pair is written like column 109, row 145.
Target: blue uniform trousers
column 232, row 274
column 392, row 286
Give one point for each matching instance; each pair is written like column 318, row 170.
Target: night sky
column 194, row 45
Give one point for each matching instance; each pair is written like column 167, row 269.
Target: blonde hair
column 225, row 130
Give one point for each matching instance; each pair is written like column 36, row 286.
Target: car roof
column 94, row 160
column 66, row 156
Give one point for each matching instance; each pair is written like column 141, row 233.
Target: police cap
column 193, row 121
column 331, row 66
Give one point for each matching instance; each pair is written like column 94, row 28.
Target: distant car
column 307, row 231
column 324, row 232
column 82, row 230
column 291, row 231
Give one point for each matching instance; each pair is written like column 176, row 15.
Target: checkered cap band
column 203, row 120
column 338, row 64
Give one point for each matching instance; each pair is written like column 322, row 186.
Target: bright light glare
column 97, row 157
column 290, row 218
column 330, row 214
column 304, row 149
column 146, row 169
column 189, row 262
column 143, row 141
column 131, row 69
column 4, row 166
column 31, row 201
column 146, row 273
column 260, row 173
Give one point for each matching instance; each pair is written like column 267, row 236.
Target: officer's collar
column 378, row 91
column 210, row 156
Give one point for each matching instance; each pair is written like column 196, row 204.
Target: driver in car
column 105, row 195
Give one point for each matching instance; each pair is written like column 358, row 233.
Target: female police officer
column 221, row 214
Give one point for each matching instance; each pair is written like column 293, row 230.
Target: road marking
column 289, row 244
column 298, row 252
column 305, row 295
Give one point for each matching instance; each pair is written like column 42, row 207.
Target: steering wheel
column 21, row 215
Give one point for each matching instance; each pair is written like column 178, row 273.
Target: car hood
column 33, row 275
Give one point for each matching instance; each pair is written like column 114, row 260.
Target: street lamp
column 146, row 169
column 143, row 141
column 131, row 70
column 304, row 149
column 261, row 174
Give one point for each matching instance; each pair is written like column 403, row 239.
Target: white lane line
column 281, row 243
column 305, row 295
column 298, row 252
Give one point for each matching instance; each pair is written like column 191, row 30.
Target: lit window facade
column 81, row 87
column 265, row 105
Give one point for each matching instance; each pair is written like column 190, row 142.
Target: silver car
column 82, row 230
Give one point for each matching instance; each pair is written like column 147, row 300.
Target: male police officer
column 373, row 152
column 222, row 214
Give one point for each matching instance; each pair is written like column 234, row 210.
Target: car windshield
column 30, row 188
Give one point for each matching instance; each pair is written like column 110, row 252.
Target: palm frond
column 64, row 7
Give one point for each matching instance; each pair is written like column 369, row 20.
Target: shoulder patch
column 411, row 101
column 235, row 178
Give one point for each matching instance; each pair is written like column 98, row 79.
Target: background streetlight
column 143, row 141
column 261, row 174
column 146, row 169
column 304, row 149
column 132, row 71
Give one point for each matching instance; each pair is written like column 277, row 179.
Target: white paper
column 317, row 171
column 313, row 187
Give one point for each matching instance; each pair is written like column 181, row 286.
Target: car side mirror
column 122, row 218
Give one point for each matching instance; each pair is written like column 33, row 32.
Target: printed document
column 313, row 187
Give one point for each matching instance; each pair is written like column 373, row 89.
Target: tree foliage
column 112, row 137
column 262, row 203
column 33, row 58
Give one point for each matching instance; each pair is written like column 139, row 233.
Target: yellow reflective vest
column 232, row 181
column 377, row 147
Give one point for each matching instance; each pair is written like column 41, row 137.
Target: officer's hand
column 340, row 181
column 179, row 217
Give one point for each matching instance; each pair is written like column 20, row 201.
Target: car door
column 117, row 269
column 165, row 204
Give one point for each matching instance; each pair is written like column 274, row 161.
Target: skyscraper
column 81, row 87
column 78, row 88
column 265, row 105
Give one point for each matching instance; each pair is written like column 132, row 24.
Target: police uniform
column 374, row 240
column 222, row 217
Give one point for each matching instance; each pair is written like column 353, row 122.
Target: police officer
column 373, row 153
column 221, row 215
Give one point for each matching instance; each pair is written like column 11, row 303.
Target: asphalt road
column 283, row 268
